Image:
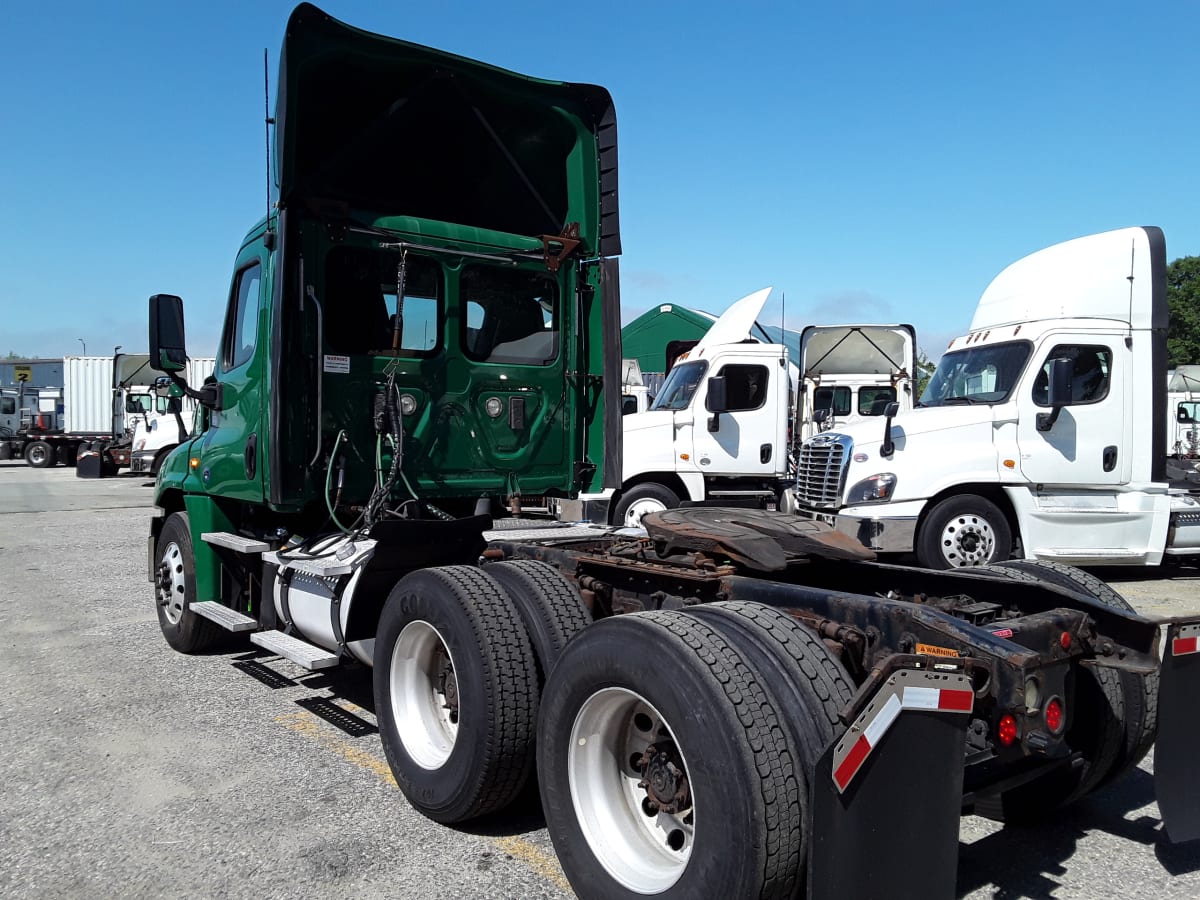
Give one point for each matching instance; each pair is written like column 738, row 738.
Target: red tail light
column 1007, row 732
column 1054, row 715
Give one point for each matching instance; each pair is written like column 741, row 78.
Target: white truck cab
column 1040, row 434
column 720, row 430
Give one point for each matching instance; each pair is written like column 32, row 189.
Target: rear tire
column 641, row 500
column 1097, row 730
column 39, row 454
column 1141, row 691
column 175, row 590
column 661, row 699
column 549, row 606
column 455, row 693
column 963, row 531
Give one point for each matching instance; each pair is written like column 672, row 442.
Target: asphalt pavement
column 130, row 770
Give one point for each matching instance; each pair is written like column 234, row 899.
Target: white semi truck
column 103, row 400
column 723, row 426
column 1041, row 435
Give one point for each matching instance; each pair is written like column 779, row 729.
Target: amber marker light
column 1010, row 463
column 194, row 462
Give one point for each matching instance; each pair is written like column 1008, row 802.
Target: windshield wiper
column 949, row 400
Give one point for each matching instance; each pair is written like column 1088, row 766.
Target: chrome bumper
column 892, row 535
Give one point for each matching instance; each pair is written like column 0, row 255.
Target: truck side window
column 872, row 401
column 835, row 399
column 745, row 386
column 1090, row 376
column 241, row 326
column 8, row 406
column 511, row 315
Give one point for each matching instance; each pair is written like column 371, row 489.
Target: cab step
column 235, row 542
column 300, row 652
column 229, row 619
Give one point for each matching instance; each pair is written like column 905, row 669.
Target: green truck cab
column 486, row 202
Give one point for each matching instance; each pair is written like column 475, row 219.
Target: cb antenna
column 269, row 237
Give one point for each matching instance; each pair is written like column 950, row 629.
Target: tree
column 924, row 372
column 1183, row 300
column 12, row 355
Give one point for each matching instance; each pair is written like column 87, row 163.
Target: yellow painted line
column 541, row 863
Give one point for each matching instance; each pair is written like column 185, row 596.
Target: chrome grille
column 821, row 469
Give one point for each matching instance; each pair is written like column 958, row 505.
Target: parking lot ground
column 130, row 770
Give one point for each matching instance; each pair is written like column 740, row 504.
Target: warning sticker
column 1003, row 633
column 338, row 364
column 931, row 650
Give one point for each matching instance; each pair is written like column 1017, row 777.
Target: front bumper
column 883, row 534
column 142, row 461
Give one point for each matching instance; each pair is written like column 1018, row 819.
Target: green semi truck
column 422, row 335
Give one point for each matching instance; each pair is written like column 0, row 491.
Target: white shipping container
column 91, row 406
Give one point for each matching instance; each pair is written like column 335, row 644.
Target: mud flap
column 887, row 794
column 1175, row 778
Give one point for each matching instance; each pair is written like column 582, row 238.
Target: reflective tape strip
column 1186, row 641
column 931, row 692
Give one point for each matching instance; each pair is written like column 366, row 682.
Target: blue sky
column 873, row 161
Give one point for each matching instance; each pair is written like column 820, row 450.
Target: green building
column 646, row 337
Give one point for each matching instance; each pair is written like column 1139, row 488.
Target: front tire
column 39, row 454
column 175, row 590
column 665, row 768
column 455, row 693
column 641, row 500
column 964, row 531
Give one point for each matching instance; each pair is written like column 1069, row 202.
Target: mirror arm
column 209, row 395
column 1045, row 421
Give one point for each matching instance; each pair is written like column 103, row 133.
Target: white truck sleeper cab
column 1041, row 433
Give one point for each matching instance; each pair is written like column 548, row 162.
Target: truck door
column 751, row 434
column 232, row 453
column 1086, row 444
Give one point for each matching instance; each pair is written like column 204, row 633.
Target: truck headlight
column 876, row 489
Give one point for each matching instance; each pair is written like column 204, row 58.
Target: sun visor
column 386, row 127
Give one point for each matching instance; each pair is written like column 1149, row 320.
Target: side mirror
column 717, row 402
column 888, row 447
column 1058, row 391
column 718, row 399
column 167, row 353
column 820, row 416
column 163, row 387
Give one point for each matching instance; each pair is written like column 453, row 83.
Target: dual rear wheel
column 666, row 761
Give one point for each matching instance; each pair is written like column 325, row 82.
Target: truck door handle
column 1110, row 458
column 764, row 453
column 251, row 455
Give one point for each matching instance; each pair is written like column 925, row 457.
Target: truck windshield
column 680, row 385
column 977, row 375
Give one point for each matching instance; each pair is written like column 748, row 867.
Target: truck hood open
column 735, row 323
column 370, row 123
column 829, row 350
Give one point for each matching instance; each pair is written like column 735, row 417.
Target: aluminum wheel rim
column 639, row 508
column 172, row 583
column 426, row 718
column 968, row 540
column 646, row 852
column 37, row 454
